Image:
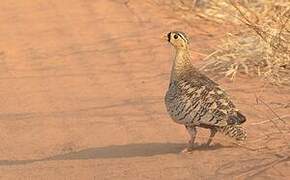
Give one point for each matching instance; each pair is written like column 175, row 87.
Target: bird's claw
column 187, row 150
column 190, row 148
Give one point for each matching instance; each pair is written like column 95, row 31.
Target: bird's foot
column 190, row 148
column 187, row 151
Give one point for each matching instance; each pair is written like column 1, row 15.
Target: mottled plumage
column 195, row 100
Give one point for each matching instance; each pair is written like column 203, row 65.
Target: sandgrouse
column 194, row 100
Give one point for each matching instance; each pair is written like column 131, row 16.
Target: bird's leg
column 213, row 131
column 192, row 132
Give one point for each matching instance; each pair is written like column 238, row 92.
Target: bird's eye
column 175, row 36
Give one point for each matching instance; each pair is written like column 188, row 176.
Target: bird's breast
column 177, row 105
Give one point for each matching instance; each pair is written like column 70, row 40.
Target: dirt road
column 82, row 85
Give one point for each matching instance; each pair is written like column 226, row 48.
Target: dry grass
column 262, row 44
column 260, row 47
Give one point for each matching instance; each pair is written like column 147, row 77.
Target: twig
column 274, row 119
column 278, row 117
column 261, row 91
column 249, row 22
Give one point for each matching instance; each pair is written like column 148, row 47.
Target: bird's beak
column 166, row 37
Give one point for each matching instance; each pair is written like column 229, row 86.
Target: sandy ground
column 82, row 86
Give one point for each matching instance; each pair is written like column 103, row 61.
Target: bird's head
column 179, row 40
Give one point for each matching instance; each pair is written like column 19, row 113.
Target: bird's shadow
column 117, row 151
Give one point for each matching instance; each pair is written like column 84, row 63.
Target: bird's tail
column 234, row 131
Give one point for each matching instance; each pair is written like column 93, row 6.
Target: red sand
column 82, row 86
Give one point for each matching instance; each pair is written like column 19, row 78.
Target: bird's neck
column 181, row 63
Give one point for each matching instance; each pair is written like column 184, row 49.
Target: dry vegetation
column 259, row 46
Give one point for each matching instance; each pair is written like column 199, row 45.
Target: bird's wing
column 211, row 104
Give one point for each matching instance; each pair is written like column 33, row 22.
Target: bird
column 194, row 100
